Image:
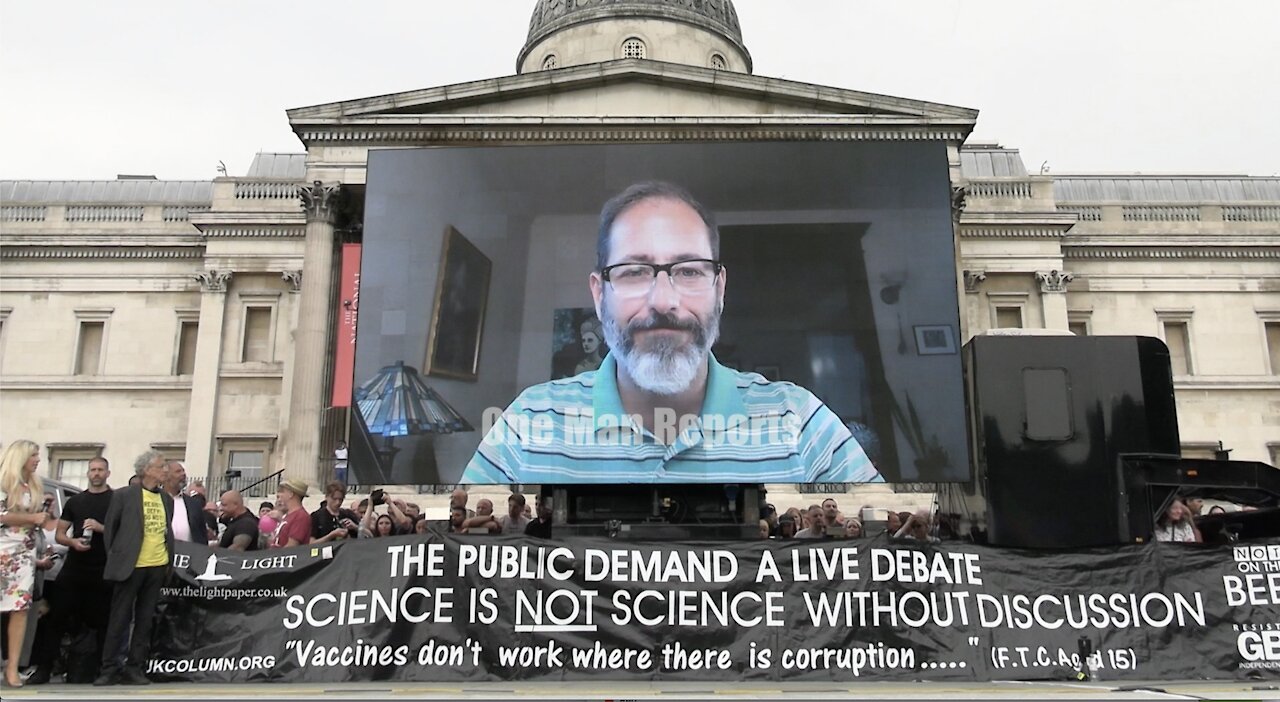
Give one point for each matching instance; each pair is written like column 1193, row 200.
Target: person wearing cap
column 295, row 528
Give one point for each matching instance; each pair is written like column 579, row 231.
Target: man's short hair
column 650, row 190
column 519, row 499
column 266, row 505
column 140, row 465
column 100, row 459
column 335, row 486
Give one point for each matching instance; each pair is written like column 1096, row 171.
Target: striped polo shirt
column 751, row 430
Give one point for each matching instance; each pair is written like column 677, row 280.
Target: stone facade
column 1189, row 259
column 194, row 317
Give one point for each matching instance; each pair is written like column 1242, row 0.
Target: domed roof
column 717, row 16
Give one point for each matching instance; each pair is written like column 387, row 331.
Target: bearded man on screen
column 661, row 408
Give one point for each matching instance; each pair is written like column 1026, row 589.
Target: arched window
column 633, row 48
column 718, row 63
column 550, row 62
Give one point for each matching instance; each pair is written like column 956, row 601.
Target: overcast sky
column 170, row 88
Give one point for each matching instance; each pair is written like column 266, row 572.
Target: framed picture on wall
column 457, row 319
column 577, row 342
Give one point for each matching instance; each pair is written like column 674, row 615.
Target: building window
column 89, row 347
column 1008, row 317
column 1177, row 339
column 633, row 48
column 257, row 341
column 74, row 471
column 258, row 326
column 1175, row 329
column 248, row 463
column 246, row 460
column 1273, row 450
column 1272, row 333
column 1078, row 323
column 718, row 63
column 184, row 361
column 4, row 324
column 172, row 452
column 550, row 62
column 91, row 341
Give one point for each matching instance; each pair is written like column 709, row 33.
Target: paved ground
column 1191, row 690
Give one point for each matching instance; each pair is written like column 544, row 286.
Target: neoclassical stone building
column 199, row 317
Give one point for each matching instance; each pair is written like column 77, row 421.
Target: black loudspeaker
column 1050, row 416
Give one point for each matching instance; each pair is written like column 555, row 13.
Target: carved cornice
column 835, row 104
column 319, row 201
column 1256, row 253
column 538, row 132
column 1053, row 281
column 153, row 253
column 972, row 279
column 213, row 280
column 958, row 195
column 1011, row 232
column 294, row 278
column 252, row 232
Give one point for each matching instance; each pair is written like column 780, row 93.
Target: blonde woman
column 20, row 514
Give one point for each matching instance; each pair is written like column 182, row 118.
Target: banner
column 344, row 363
column 436, row 608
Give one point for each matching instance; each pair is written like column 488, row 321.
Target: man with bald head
column 241, row 533
column 458, row 498
column 484, row 519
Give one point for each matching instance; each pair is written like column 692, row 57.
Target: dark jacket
column 195, row 518
column 122, row 532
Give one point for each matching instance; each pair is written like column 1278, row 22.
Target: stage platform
column 1000, row 690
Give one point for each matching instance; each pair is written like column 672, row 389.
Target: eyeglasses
column 692, row 277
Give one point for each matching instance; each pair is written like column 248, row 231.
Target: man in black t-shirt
column 241, row 533
column 332, row 521
column 541, row 527
column 87, row 598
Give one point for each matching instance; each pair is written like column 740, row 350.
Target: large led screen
column 747, row 313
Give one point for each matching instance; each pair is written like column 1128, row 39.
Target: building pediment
column 631, row 91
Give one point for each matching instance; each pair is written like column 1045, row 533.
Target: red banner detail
column 344, row 366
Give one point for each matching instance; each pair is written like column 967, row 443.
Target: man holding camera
column 333, row 521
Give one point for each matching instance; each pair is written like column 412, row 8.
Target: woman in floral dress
column 20, row 514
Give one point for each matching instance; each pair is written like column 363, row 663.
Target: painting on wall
column 457, row 320
column 577, row 342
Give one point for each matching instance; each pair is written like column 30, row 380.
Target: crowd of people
column 826, row 521
column 1182, row 522
column 89, row 578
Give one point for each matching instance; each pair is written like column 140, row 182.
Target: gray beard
column 667, row 367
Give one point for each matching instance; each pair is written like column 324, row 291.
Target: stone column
column 311, row 335
column 1053, row 297
column 202, row 415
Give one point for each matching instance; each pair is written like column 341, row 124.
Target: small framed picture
column 457, row 320
column 935, row 340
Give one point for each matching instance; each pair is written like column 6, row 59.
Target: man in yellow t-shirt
column 139, row 540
